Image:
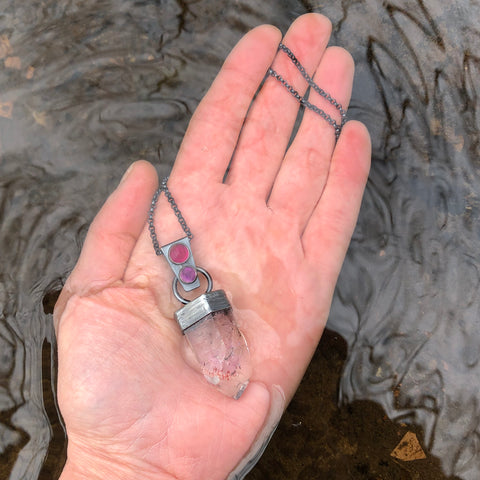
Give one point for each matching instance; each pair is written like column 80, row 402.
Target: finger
column 206, row 150
column 303, row 173
column 329, row 230
column 269, row 125
column 214, row 129
column 112, row 234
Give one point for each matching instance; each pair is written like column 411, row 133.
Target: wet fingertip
column 316, row 17
column 127, row 173
column 134, row 167
column 342, row 56
column 270, row 33
column 266, row 27
column 356, row 134
column 140, row 180
column 276, row 399
column 272, row 397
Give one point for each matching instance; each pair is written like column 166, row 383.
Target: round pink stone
column 178, row 253
column 187, row 274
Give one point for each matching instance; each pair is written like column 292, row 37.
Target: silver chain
column 151, row 226
column 303, row 101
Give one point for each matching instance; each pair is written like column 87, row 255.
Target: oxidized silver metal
column 177, row 267
column 303, row 101
column 199, row 308
column 184, row 300
column 151, row 225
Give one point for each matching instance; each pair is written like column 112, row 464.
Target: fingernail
column 127, row 173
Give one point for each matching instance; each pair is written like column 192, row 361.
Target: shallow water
column 86, row 87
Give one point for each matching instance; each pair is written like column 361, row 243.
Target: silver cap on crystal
column 199, row 308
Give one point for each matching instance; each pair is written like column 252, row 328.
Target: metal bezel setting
column 199, row 308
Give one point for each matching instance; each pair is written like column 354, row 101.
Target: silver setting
column 176, row 267
column 199, row 308
column 176, row 210
column 184, row 300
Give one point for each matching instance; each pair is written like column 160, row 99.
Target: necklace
column 303, row 101
column 207, row 322
column 220, row 351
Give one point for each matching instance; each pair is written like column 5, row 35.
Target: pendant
column 179, row 257
column 207, row 323
column 218, row 345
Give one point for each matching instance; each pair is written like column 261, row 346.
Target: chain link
column 303, row 101
column 151, row 226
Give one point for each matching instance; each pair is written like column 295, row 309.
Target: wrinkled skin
column 273, row 236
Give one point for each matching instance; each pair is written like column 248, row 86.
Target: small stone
column 409, row 449
column 187, row 275
column 178, row 253
column 5, row 47
column 29, row 73
column 13, row 62
column 6, row 109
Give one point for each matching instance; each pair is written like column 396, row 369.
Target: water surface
column 86, row 87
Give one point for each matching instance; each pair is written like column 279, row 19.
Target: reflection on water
column 88, row 86
column 407, row 300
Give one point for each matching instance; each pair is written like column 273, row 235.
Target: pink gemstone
column 178, row 253
column 187, row 275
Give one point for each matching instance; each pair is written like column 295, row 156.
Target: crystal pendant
column 218, row 345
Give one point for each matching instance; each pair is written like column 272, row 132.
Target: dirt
column 317, row 439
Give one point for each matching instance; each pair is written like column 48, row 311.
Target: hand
column 273, row 236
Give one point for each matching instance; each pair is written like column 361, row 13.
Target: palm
column 273, row 236
column 124, row 399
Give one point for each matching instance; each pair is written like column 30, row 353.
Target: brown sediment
column 317, row 440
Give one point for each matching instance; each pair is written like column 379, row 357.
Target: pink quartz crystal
column 221, row 351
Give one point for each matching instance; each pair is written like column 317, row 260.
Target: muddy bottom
column 318, row 440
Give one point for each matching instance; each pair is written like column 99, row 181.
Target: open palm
column 273, row 235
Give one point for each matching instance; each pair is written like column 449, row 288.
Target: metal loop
column 184, row 300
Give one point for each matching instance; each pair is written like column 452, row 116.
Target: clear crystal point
column 221, row 351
